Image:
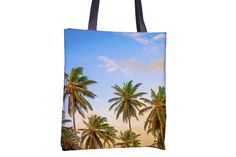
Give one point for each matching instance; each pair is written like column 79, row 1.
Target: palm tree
column 128, row 139
column 156, row 120
column 126, row 101
column 110, row 133
column 158, row 142
column 75, row 90
column 69, row 140
column 94, row 133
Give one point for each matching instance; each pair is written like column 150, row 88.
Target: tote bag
column 114, row 87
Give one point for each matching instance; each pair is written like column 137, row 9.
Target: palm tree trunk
column 130, row 125
column 162, row 138
column 73, row 108
column 74, row 125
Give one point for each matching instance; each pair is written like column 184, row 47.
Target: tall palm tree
column 158, row 142
column 126, row 101
column 128, row 139
column 156, row 120
column 69, row 140
column 94, row 132
column 110, row 133
column 76, row 89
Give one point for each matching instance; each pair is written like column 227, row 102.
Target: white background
column 201, row 73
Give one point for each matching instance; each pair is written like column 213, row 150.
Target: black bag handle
column 141, row 27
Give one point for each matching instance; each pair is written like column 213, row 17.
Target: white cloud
column 144, row 41
column 126, row 66
column 149, row 45
column 110, row 64
column 158, row 37
column 151, row 49
column 138, row 37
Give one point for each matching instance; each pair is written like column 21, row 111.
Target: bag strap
column 140, row 24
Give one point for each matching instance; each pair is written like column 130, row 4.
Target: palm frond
column 114, row 104
column 142, row 111
column 140, row 94
column 133, row 90
column 97, row 133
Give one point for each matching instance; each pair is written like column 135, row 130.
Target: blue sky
column 113, row 58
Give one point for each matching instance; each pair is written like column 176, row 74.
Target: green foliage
column 76, row 89
column 156, row 120
column 110, row 133
column 158, row 142
column 128, row 139
column 126, row 101
column 69, row 139
column 96, row 131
